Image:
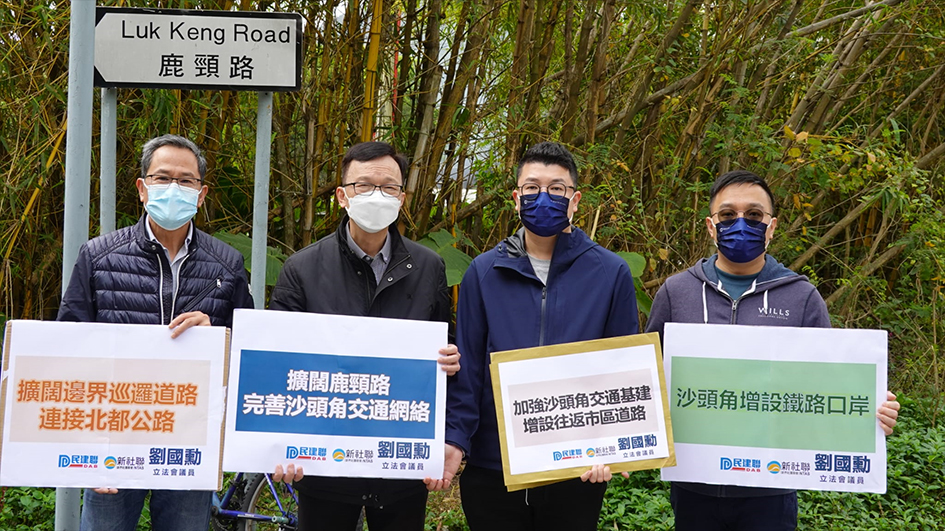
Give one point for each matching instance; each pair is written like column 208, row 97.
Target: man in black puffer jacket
column 163, row 270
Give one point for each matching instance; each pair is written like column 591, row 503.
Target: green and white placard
column 777, row 407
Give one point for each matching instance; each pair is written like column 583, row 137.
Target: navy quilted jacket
column 122, row 277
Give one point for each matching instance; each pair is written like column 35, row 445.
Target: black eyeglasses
column 557, row 189
column 183, row 182
column 752, row 214
column 390, row 190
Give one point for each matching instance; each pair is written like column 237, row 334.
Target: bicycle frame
column 286, row 517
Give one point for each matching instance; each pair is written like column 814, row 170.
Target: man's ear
column 142, row 190
column 203, row 195
column 518, row 200
column 710, row 227
column 770, row 232
column 341, row 196
column 573, row 205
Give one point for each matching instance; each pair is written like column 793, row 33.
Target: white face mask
column 373, row 213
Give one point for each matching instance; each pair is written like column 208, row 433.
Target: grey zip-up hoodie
column 778, row 297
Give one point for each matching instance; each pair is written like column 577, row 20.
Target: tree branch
column 868, row 270
column 931, row 157
column 466, row 211
column 839, row 226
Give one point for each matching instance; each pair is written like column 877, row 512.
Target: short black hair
column 147, row 152
column 741, row 177
column 549, row 154
column 368, row 151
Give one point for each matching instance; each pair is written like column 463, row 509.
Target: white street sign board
column 190, row 49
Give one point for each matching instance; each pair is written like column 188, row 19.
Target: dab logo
column 738, row 464
column 774, row 467
column 338, row 455
column 78, row 461
column 110, row 462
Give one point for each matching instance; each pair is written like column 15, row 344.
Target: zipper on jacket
column 177, row 288
column 166, row 313
column 751, row 291
column 216, row 284
column 541, row 326
column 161, row 287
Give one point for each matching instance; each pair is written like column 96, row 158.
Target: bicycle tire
column 259, row 500
column 235, row 503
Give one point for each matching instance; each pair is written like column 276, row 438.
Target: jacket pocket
column 204, row 293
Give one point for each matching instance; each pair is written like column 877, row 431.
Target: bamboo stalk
column 370, row 82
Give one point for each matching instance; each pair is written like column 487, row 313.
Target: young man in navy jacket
column 742, row 285
column 546, row 284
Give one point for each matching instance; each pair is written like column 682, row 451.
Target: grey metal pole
column 107, row 176
column 75, row 230
column 257, row 278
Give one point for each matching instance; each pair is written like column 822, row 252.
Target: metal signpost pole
column 261, row 199
column 107, row 187
column 78, row 164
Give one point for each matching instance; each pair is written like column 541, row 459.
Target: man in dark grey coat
column 163, row 270
column 742, row 285
column 366, row 268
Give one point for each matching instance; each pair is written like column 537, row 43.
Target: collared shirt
column 378, row 263
column 181, row 254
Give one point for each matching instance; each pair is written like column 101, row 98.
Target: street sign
column 190, row 49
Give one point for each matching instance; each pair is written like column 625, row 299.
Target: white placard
column 338, row 395
column 112, row 405
column 777, row 407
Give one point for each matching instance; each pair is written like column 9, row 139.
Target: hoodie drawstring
column 705, row 307
column 766, row 301
column 754, row 283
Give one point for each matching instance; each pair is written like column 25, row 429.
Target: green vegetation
column 840, row 104
column 915, row 499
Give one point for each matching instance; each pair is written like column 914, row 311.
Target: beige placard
column 536, row 479
column 226, row 378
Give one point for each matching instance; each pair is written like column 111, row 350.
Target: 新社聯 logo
column 774, row 467
column 590, row 452
column 338, row 455
column 110, row 462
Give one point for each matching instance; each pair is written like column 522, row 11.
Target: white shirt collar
column 153, row 238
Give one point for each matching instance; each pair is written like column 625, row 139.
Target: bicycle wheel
column 235, row 503
column 260, row 500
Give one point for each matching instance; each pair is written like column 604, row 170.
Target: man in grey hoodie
column 742, row 285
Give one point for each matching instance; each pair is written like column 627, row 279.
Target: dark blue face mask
column 544, row 214
column 741, row 240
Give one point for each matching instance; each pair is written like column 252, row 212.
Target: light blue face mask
column 171, row 206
